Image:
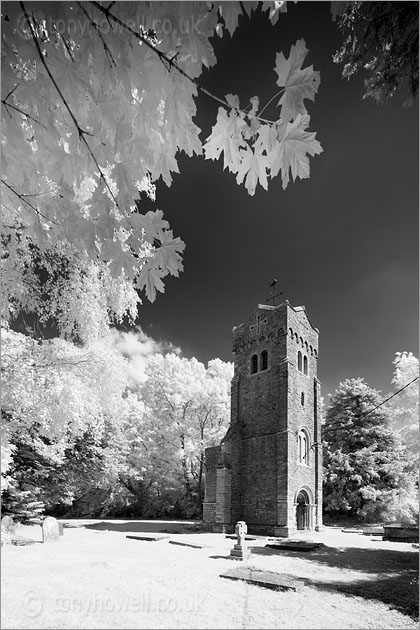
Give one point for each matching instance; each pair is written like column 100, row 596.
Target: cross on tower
column 259, row 322
column 273, row 297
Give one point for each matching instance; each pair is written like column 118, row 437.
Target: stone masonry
column 267, row 470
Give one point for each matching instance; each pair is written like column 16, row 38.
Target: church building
column 267, row 470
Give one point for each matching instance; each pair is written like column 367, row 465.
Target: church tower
column 268, row 469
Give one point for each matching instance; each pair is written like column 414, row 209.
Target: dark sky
column 344, row 243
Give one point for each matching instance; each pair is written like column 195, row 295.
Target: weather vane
column 273, row 297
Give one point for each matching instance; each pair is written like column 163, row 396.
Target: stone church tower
column 267, row 470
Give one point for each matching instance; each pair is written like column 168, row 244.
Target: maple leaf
column 167, row 255
column 164, row 164
column 275, row 8
column 230, row 12
column 150, row 279
column 291, row 154
column 151, row 225
column 267, row 139
column 253, row 168
column 233, row 100
column 299, row 83
column 226, row 136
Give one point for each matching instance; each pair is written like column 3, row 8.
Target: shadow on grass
column 167, row 527
column 398, row 590
column 353, row 558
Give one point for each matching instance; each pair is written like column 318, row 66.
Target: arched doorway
column 302, row 511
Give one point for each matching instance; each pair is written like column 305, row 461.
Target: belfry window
column 300, row 361
column 302, row 399
column 305, row 364
column 254, row 364
column 264, row 360
column 303, row 447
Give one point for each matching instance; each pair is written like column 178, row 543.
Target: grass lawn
column 94, row 577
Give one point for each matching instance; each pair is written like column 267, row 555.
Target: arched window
column 301, row 341
column 302, row 399
column 315, row 354
column 296, row 338
column 300, row 361
column 291, row 333
column 264, row 360
column 305, row 364
column 254, row 364
column 303, row 447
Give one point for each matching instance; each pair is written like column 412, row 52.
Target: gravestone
column 240, row 551
column 22, row 542
column 60, row 528
column 50, row 530
column 8, row 525
column 147, row 537
column 295, row 545
column 193, row 545
column 265, row 579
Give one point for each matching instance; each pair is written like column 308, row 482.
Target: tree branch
column 22, row 198
column 170, row 61
column 95, row 25
column 6, row 104
column 80, row 131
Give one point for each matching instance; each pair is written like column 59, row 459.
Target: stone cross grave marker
column 50, row 530
column 240, row 551
column 8, row 525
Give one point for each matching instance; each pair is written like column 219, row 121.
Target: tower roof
column 284, row 304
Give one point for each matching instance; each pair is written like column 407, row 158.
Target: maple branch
column 172, row 63
column 11, row 92
column 67, row 48
column 22, row 198
column 271, row 99
column 4, row 102
column 80, row 131
column 110, row 58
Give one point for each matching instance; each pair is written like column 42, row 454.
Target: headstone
column 194, row 545
column 148, row 537
column 240, row 551
column 373, row 531
column 398, row 533
column 22, row 542
column 8, row 525
column 50, row 530
column 295, row 545
column 266, row 579
column 60, row 528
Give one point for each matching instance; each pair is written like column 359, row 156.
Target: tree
column 97, row 103
column 187, row 410
column 365, row 466
column 405, row 406
column 381, row 38
column 63, row 409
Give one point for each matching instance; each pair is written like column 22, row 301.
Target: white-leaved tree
column 63, row 412
column 405, row 405
column 367, row 473
column 98, row 101
column 187, row 408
